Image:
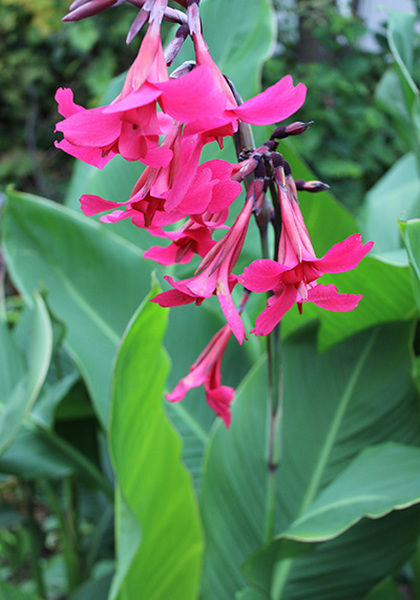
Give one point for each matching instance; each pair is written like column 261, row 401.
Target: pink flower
column 276, row 103
column 215, row 275
column 207, row 371
column 293, row 279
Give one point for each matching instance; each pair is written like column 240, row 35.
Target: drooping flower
column 207, row 371
column 214, row 274
column 293, row 278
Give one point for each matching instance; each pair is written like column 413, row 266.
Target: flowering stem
column 244, row 141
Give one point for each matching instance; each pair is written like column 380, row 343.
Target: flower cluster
column 163, row 121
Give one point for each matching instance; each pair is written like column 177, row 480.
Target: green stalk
column 67, row 537
column 34, row 546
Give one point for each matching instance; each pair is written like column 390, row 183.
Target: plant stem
column 34, row 531
column 68, row 539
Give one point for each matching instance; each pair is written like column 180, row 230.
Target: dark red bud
column 293, row 129
column 311, row 186
column 87, row 9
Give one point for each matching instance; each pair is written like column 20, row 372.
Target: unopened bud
column 285, row 131
column 175, row 45
column 311, row 186
column 136, row 25
column 183, row 69
column 81, row 10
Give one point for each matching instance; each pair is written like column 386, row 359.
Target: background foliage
column 105, row 489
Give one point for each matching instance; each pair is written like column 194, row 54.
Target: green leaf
column 395, row 196
column 233, row 491
column 94, row 281
column 379, row 480
column 158, row 531
column 358, row 394
column 400, row 39
column 410, row 232
column 24, row 385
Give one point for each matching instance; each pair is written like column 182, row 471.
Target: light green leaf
column 410, row 232
column 395, row 196
column 158, row 531
column 94, row 280
column 400, row 39
column 379, row 480
column 25, row 386
column 358, row 394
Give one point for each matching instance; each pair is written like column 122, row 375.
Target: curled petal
column 274, row 104
column 326, row 296
column 345, row 255
column 277, row 307
column 262, row 275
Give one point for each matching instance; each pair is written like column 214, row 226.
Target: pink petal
column 274, row 104
column 91, row 128
column 345, row 255
column 145, row 95
column 92, row 205
column 262, row 275
column 66, row 106
column 192, row 96
column 167, row 255
column 229, row 310
column 219, row 399
column 277, row 307
column 173, row 298
column 91, row 156
column 326, row 296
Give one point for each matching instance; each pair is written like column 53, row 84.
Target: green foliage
column 351, row 143
column 326, row 508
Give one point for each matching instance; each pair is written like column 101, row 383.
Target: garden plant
column 209, row 372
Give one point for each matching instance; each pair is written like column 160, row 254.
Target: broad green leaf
column 24, row 390
column 400, row 39
column 410, row 232
column 390, row 98
column 94, row 280
column 358, row 394
column 233, row 490
column 395, row 196
column 379, row 480
column 37, row 452
column 158, row 530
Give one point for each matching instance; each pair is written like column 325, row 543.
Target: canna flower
column 214, row 275
column 207, row 371
column 293, row 278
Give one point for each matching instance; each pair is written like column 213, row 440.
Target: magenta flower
column 207, row 371
column 214, row 275
column 293, row 279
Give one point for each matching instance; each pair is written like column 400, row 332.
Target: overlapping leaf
column 158, row 530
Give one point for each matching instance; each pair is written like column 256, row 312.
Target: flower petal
column 326, row 296
column 274, row 104
column 344, row 256
column 262, row 275
column 277, row 307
